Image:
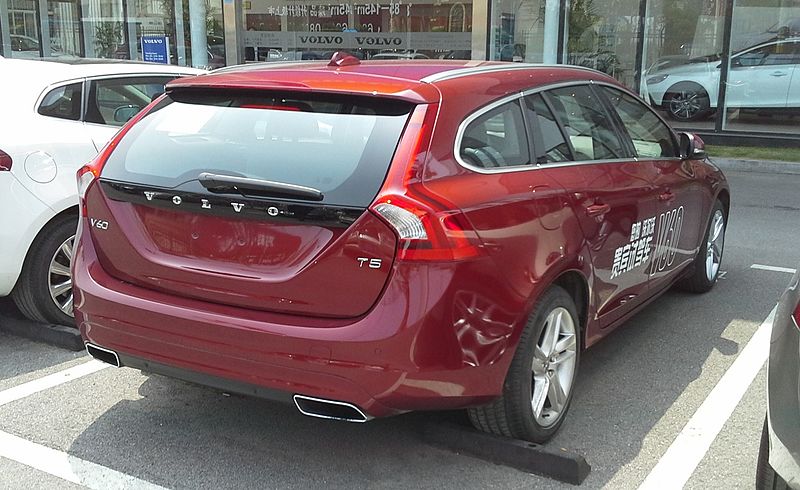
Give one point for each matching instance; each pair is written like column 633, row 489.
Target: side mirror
column 125, row 113
column 692, row 147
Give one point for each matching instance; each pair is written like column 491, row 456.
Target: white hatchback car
column 56, row 117
column 763, row 77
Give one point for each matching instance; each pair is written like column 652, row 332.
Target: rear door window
column 339, row 145
column 114, row 101
column 590, row 129
column 550, row 147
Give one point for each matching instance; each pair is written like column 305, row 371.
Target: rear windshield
column 341, row 146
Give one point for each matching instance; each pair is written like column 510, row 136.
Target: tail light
column 91, row 171
column 796, row 315
column 5, row 161
column 428, row 227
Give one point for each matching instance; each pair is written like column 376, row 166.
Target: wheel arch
column 70, row 211
column 724, row 196
column 576, row 285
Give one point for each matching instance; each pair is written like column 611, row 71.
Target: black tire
column 512, row 414
column 766, row 478
column 32, row 291
column 687, row 102
column 702, row 279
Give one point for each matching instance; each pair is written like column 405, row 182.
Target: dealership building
column 727, row 69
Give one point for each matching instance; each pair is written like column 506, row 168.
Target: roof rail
column 463, row 72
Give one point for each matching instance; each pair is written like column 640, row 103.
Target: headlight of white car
column 656, row 79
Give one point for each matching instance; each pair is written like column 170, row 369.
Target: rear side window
column 650, row 136
column 62, row 102
column 496, row 138
column 341, row 146
column 587, row 124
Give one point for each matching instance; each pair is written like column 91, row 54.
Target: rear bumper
column 416, row 349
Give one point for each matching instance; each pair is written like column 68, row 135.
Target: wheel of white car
column 43, row 292
column 687, row 102
column 540, row 382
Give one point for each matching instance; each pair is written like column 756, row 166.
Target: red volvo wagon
column 368, row 238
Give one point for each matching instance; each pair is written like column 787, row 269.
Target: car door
column 679, row 195
column 761, row 77
column 611, row 194
column 111, row 102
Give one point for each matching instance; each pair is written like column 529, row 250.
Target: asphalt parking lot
column 637, row 391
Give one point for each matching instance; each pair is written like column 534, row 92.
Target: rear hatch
column 256, row 200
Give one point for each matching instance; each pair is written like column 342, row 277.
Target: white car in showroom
column 56, row 116
column 763, row 77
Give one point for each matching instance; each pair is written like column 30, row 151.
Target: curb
column 760, row 166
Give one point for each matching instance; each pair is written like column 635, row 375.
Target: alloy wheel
column 60, row 278
column 554, row 362
column 686, row 104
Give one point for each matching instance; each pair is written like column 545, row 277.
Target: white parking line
column 772, row 268
column 67, row 467
column 50, row 381
column 687, row 450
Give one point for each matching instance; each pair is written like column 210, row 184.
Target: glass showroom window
column 763, row 89
column 390, row 29
column 116, row 29
column 681, row 59
column 604, row 35
column 524, row 31
column 64, row 28
column 24, row 29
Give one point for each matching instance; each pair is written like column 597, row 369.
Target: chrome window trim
column 536, row 166
column 474, row 70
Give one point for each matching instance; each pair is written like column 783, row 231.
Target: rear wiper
column 247, row 186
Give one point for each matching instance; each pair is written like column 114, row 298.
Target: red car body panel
column 416, row 335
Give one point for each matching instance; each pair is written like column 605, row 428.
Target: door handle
column 596, row 210
column 778, row 73
column 666, row 196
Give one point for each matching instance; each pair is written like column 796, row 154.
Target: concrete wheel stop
column 543, row 460
column 12, row 321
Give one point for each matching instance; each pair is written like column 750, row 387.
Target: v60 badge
column 100, row 224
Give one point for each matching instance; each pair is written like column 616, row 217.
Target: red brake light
column 5, row 161
column 428, row 227
column 796, row 315
column 271, row 107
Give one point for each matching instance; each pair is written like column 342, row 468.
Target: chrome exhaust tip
column 103, row 354
column 329, row 409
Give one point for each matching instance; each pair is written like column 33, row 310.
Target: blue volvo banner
column 155, row 49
